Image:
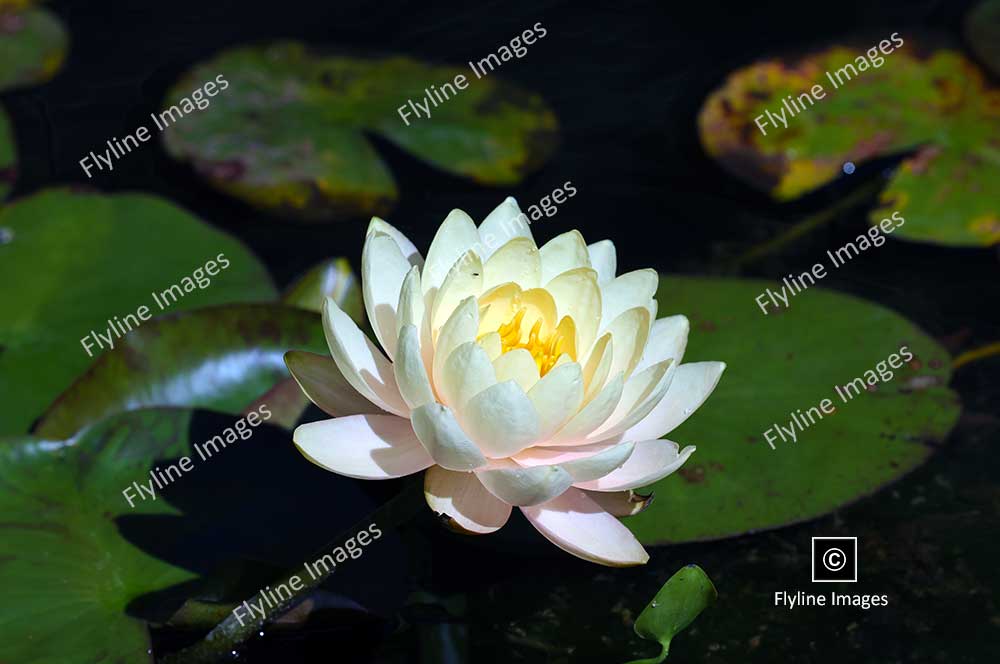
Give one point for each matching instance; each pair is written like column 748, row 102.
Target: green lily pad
column 219, row 358
column 33, row 43
column 982, row 29
column 66, row 572
column 936, row 103
column 104, row 257
column 284, row 130
column 8, row 156
column 784, row 362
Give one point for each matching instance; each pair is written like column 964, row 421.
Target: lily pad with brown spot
column 285, row 128
column 734, row 482
column 33, row 43
column 935, row 104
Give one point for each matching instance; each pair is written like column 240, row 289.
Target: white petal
column 465, row 279
column 603, row 259
column 578, row 525
column 410, row 372
column 410, row 310
column 577, row 295
column 632, row 289
column 492, row 344
column 518, row 261
column 691, row 385
column 667, row 340
column 360, row 361
column 598, row 367
column 592, row 415
column 517, row 485
column 383, row 268
column 563, row 253
column 503, row 224
column 407, row 248
column 456, row 235
column 630, row 331
column 557, row 397
column 651, row 461
column 463, row 499
column 444, row 440
column 467, row 372
column 583, row 463
column 642, row 393
column 620, row 503
column 519, row 366
column 501, row 420
column 460, row 328
column 368, row 447
column 321, row 381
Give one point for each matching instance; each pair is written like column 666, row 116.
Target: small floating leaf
column 685, row 595
column 33, row 43
column 287, row 133
column 935, row 104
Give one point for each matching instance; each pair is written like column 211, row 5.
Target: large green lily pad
column 936, row 104
column 66, row 572
column 287, row 132
column 33, row 43
column 75, row 261
column 8, row 156
column 780, row 363
column 219, row 358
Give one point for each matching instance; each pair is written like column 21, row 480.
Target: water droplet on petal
column 655, row 604
column 688, row 410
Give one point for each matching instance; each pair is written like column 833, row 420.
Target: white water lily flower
column 517, row 376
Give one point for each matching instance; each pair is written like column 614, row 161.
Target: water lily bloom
column 516, row 376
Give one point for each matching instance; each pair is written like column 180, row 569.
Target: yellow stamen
column 545, row 350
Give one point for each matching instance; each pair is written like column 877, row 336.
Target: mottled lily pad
column 66, row 572
column 219, row 358
column 783, row 363
column 33, row 43
column 982, row 29
column 285, row 129
column 936, row 104
column 104, row 257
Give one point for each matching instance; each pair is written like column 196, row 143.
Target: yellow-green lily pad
column 787, row 363
column 934, row 104
column 285, row 129
column 33, row 43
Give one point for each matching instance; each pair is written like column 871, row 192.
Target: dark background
column 626, row 81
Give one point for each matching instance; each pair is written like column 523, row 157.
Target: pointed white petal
column 598, row 367
column 460, row 328
column 320, row 379
column 407, row 248
column 563, row 253
column 368, row 447
column 444, row 439
column 517, row 485
column 583, row 462
column 518, row 261
column 360, row 361
column 557, row 397
column 519, row 366
column 603, row 259
column 456, row 235
column 500, row 420
column 383, row 268
column 464, row 280
column 463, row 499
column 651, row 461
column 667, row 340
column 642, row 393
column 467, row 372
column 578, row 296
column 691, row 385
column 590, row 416
column 629, row 331
column 410, row 372
column 503, row 224
column 578, row 525
column 410, row 309
column 492, row 344
column 632, row 289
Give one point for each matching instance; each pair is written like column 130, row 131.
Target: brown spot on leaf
column 693, row 474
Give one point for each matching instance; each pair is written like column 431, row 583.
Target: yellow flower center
column 544, row 349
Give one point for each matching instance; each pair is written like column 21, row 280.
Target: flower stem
column 225, row 637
